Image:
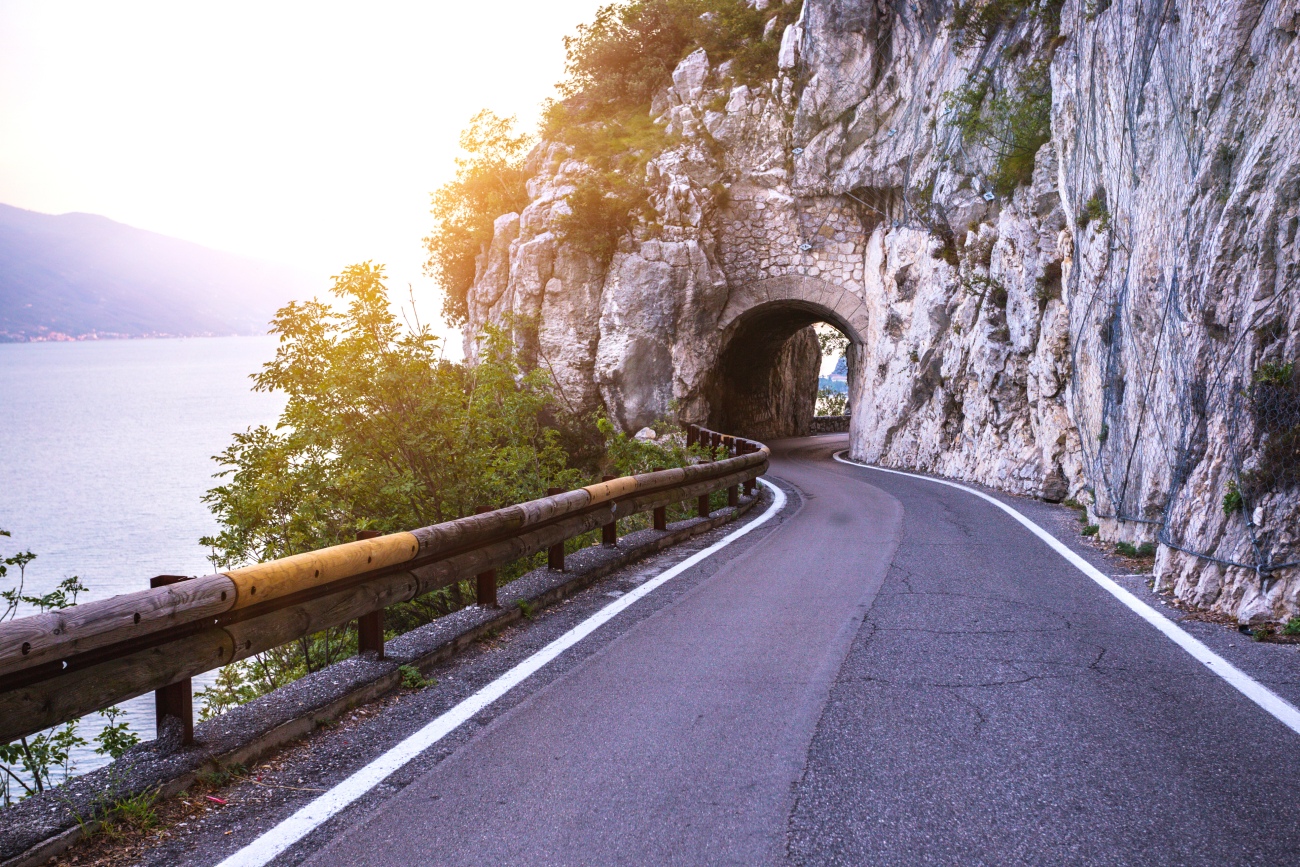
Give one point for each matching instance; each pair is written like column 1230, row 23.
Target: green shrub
column 1090, row 530
column 1275, row 374
column 1144, row 551
column 378, row 432
column 1013, row 123
column 1232, row 501
column 1095, row 209
column 1292, row 627
column 412, row 678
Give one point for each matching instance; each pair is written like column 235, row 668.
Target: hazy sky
column 304, row 133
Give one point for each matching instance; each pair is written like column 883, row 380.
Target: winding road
column 889, row 671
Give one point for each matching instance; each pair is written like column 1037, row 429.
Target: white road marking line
column 270, row 844
column 1252, row 689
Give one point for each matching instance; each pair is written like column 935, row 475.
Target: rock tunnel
column 764, row 382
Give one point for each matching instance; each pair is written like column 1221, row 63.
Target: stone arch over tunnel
column 763, row 383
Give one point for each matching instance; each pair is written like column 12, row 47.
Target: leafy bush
column 412, row 678
column 1232, row 502
column 1144, row 551
column 489, row 182
column 1090, row 530
column 1275, row 374
column 629, row 456
column 1095, row 209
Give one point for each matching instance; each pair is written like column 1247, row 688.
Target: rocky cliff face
column 1095, row 328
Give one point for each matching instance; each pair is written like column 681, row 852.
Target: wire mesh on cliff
column 1185, row 385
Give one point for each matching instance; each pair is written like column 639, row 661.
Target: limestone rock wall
column 1093, row 333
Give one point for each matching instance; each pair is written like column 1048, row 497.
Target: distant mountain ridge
column 85, row 276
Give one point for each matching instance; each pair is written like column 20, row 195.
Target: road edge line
column 1265, row 698
column 271, row 843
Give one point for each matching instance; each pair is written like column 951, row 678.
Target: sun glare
column 304, row 133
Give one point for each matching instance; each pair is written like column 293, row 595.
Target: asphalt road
column 897, row 673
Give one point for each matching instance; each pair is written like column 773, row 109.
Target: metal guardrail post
column 370, row 627
column 486, row 591
column 175, row 699
column 609, row 532
column 555, row 553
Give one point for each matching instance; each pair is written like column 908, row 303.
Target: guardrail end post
column 555, row 553
column 609, row 532
column 486, row 589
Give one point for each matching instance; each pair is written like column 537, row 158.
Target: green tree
column 489, row 182
column 379, row 432
column 627, row 53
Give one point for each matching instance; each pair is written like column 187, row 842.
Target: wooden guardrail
column 60, row 665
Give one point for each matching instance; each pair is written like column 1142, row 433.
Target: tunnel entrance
column 766, row 381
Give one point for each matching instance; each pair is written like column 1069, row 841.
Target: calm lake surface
column 105, row 451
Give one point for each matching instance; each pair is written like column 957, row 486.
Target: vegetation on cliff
column 489, row 182
column 614, row 66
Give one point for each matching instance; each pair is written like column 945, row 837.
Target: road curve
column 897, row 673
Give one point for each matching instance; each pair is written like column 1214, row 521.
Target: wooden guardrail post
column 692, row 435
column 370, row 627
column 751, row 484
column 486, row 591
column 175, row 699
column 661, row 513
column 609, row 532
column 555, row 553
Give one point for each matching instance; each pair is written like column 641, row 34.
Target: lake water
column 105, row 451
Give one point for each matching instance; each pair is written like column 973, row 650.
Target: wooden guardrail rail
column 61, row 665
